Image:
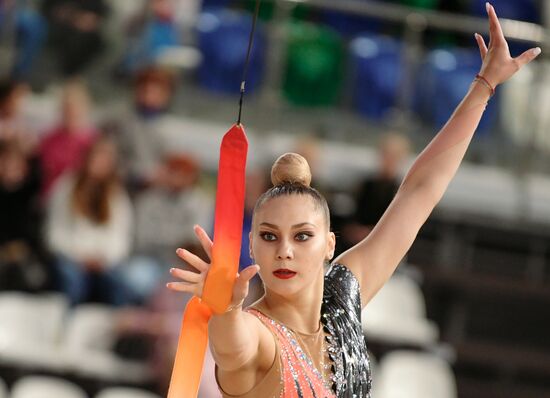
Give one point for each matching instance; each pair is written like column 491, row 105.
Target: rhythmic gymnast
column 303, row 338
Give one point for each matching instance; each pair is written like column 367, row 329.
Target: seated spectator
column 89, row 228
column 31, row 29
column 140, row 131
column 162, row 214
column 75, row 28
column 13, row 126
column 376, row 192
column 21, row 256
column 157, row 30
column 63, row 148
column 157, row 328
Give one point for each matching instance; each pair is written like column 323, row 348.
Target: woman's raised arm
column 374, row 259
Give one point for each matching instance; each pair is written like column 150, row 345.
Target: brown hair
column 290, row 175
column 160, row 76
column 92, row 199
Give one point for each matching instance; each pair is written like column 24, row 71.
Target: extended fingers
column 187, row 276
column 204, row 239
column 482, row 45
column 182, row 287
column 248, row 273
column 192, row 260
column 527, row 56
column 495, row 30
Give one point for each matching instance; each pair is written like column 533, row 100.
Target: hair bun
column 291, row 168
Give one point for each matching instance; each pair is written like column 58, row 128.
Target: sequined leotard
column 295, row 374
column 341, row 317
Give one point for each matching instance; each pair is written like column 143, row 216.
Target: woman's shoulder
column 341, row 287
column 338, row 274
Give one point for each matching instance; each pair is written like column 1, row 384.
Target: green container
column 267, row 10
column 426, row 4
column 314, row 65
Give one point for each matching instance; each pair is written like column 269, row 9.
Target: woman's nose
column 285, row 251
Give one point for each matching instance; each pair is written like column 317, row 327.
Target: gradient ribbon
column 218, row 288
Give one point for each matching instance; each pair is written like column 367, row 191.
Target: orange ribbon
column 218, row 287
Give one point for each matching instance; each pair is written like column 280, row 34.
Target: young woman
column 88, row 227
column 304, row 337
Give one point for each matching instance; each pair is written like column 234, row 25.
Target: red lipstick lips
column 283, row 273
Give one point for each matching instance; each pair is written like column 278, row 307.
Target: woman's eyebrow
column 273, row 226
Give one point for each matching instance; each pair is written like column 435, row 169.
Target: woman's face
column 13, row 170
column 102, row 161
column 290, row 233
column 74, row 111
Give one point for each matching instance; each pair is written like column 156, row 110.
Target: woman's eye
column 268, row 236
column 303, row 236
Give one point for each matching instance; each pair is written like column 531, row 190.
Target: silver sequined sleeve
column 341, row 318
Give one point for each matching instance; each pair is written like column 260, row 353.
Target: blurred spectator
column 30, row 35
column 13, row 126
column 21, row 258
column 63, row 148
column 89, row 227
column 256, row 184
column 376, row 192
column 140, row 131
column 75, row 31
column 165, row 216
column 158, row 325
column 154, row 31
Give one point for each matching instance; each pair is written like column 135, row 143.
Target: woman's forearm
column 233, row 339
column 434, row 168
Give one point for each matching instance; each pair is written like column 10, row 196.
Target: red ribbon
column 218, row 288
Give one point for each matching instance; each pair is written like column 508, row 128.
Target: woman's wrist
column 484, row 81
column 234, row 307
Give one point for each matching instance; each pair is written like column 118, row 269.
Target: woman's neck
column 301, row 312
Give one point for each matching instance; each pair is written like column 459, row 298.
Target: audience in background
column 63, row 148
column 376, row 191
column 30, row 35
column 89, row 224
column 140, row 131
column 22, row 258
column 151, row 32
column 75, row 28
column 165, row 215
column 13, row 125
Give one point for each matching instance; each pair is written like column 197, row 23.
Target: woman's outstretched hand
column 498, row 65
column 193, row 282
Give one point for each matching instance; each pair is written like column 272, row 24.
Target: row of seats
column 316, row 72
column 524, row 10
column 396, row 317
column 400, row 374
column 413, row 374
column 52, row 387
column 39, row 332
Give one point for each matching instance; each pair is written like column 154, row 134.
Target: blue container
column 206, row 4
column 223, row 41
column 376, row 74
column 444, row 80
column 349, row 24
